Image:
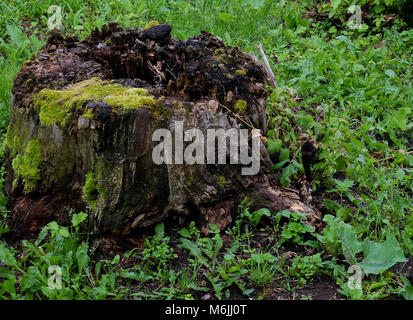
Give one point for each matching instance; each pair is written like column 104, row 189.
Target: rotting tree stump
column 81, row 124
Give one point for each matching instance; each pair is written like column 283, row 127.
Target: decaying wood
column 270, row 74
column 198, row 81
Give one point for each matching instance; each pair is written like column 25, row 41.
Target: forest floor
column 350, row 90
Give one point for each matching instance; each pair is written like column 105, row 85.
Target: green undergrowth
column 191, row 264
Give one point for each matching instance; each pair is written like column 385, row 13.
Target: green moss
column 103, row 191
column 220, row 55
column 96, row 184
column 15, row 146
column 221, row 66
column 151, row 24
column 132, row 98
column 222, row 182
column 27, row 166
column 190, row 181
column 240, row 72
column 58, row 105
column 240, row 106
column 18, row 135
column 90, row 192
column 88, row 114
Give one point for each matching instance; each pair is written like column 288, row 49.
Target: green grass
column 349, row 90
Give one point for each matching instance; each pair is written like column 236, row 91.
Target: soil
column 320, row 288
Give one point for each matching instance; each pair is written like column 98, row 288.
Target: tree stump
column 83, row 117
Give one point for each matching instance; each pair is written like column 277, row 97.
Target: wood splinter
column 268, row 69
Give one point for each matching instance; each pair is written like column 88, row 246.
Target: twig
column 273, row 81
column 239, row 118
column 160, row 74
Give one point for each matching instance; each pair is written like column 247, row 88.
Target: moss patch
column 221, row 56
column 95, row 186
column 151, row 24
column 240, row 106
column 240, row 72
column 90, row 192
column 58, row 105
column 27, row 166
column 88, row 114
column 190, row 181
column 104, row 173
column 13, row 143
column 222, row 182
column 132, row 98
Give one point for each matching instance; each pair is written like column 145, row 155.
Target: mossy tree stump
column 81, row 125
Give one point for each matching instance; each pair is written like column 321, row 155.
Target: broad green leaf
column 50, row 293
column 82, row 257
column 78, row 218
column 400, row 174
column 58, row 230
column 257, row 215
column 6, row 256
column 9, row 286
column 343, row 213
column 284, row 154
column 381, row 256
column 407, row 293
column 399, row 118
column 350, row 245
column 273, row 146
